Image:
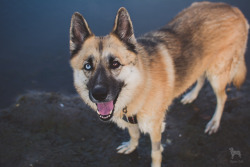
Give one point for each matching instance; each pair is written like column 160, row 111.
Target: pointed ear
column 79, row 32
column 123, row 27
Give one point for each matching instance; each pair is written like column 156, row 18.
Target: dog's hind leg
column 192, row 95
column 218, row 83
column 130, row 146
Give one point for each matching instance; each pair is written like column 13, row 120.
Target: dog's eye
column 88, row 66
column 114, row 64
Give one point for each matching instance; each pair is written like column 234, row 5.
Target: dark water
column 34, row 50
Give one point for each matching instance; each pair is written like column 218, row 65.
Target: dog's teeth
column 104, row 117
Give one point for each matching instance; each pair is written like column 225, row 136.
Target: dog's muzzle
column 105, row 106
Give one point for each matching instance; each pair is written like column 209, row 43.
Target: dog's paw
column 127, row 147
column 212, row 127
column 188, row 98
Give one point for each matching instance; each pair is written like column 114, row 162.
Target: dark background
column 34, row 35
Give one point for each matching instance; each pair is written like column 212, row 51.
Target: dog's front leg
column 157, row 148
column 128, row 147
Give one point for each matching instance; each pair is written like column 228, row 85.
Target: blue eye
column 88, row 67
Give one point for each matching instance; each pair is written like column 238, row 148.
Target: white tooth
column 110, row 112
column 98, row 112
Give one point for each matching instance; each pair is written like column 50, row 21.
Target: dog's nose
column 100, row 92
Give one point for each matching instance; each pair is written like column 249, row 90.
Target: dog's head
column 104, row 67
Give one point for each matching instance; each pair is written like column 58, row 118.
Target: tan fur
column 206, row 40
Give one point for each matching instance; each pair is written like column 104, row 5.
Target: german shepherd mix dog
column 132, row 82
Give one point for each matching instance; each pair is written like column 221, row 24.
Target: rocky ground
column 54, row 130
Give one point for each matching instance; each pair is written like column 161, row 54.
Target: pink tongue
column 105, row 108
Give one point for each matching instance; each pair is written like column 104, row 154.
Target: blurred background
column 34, row 37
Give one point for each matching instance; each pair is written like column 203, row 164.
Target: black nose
column 100, row 92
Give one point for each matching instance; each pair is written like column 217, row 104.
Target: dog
column 132, row 82
column 234, row 152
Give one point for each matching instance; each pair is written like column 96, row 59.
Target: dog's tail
column 240, row 72
column 238, row 68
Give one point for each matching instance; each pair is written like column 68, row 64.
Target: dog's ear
column 79, row 32
column 123, row 27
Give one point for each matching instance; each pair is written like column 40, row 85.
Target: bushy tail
column 240, row 69
column 239, row 73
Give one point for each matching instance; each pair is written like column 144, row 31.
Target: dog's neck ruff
column 132, row 119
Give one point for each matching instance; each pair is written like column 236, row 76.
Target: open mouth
column 105, row 110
